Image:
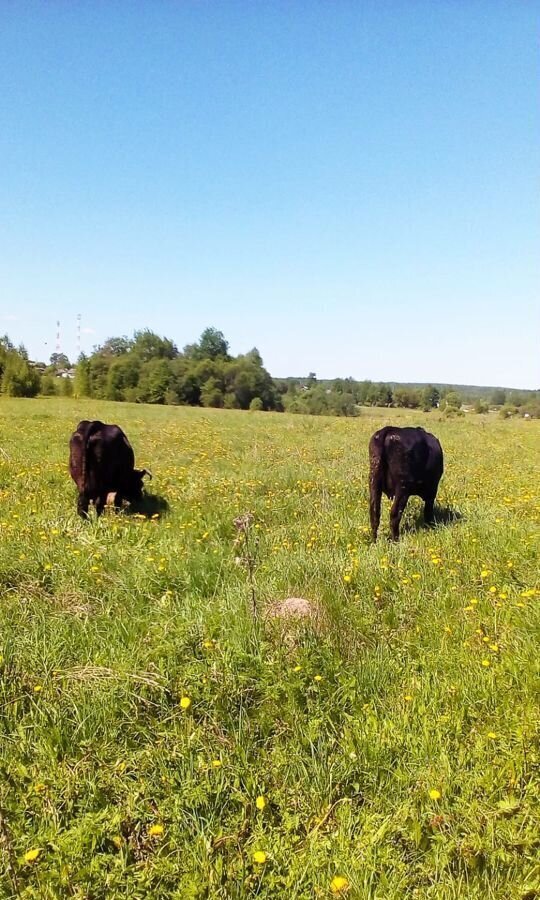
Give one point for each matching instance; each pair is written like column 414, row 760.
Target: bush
column 48, row 387
column 256, row 405
column 508, row 410
column 480, row 407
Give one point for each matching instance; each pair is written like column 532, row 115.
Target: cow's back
column 409, row 459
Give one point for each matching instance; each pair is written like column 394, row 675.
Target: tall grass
column 395, row 746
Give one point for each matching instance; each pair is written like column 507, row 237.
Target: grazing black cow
column 102, row 462
column 403, row 462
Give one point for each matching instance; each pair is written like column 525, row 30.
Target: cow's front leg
column 398, row 506
column 82, row 505
column 100, row 504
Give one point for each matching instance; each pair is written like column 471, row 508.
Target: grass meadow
column 159, row 740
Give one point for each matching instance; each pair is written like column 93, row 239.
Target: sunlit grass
column 143, row 712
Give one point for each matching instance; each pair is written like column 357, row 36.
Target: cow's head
column 136, row 485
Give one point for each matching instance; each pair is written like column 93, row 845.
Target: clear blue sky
column 353, row 187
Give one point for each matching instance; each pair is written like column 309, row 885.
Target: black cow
column 102, row 462
column 403, row 462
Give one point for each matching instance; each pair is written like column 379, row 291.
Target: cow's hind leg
column 82, row 505
column 375, row 508
column 100, row 504
column 429, row 501
column 399, row 504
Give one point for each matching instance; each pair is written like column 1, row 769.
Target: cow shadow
column 444, row 516
column 150, row 505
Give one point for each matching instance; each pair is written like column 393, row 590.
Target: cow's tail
column 376, row 478
column 89, row 430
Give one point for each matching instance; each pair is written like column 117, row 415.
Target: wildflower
column 31, row 855
column 155, row 830
column 216, row 763
column 117, row 841
column 339, row 885
column 492, row 735
column 317, row 678
column 486, row 663
column 407, row 697
column 38, row 688
column 434, row 794
column 260, row 802
column 297, row 669
column 39, row 787
column 259, row 857
column 185, row 703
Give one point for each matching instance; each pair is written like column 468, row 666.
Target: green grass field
column 159, row 741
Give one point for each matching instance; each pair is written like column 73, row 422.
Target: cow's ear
column 146, row 472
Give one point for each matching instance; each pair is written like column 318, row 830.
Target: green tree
column 430, row 397
column 147, row 345
column 81, row 385
column 123, row 374
column 59, row 361
column 48, row 386
column 154, row 381
column 212, row 344
column 498, row 397
column 452, row 400
column 211, row 393
column 256, row 405
column 66, row 387
column 115, row 346
column 19, row 379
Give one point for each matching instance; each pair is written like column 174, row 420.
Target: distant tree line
column 18, row 378
column 148, row 368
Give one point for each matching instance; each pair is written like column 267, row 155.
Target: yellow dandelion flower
column 259, row 857
column 260, row 802
column 339, row 885
column 318, row 678
column 492, row 735
column 155, row 830
column 31, row 855
column 38, row 688
column 486, row 663
column 117, row 841
column 185, row 702
column 216, row 763
column 434, row 794
column 297, row 669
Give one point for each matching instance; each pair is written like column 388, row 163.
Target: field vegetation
column 161, row 736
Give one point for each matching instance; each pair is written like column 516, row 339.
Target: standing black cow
column 102, row 462
column 403, row 462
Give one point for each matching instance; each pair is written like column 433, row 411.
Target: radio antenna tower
column 58, row 337
column 78, row 335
